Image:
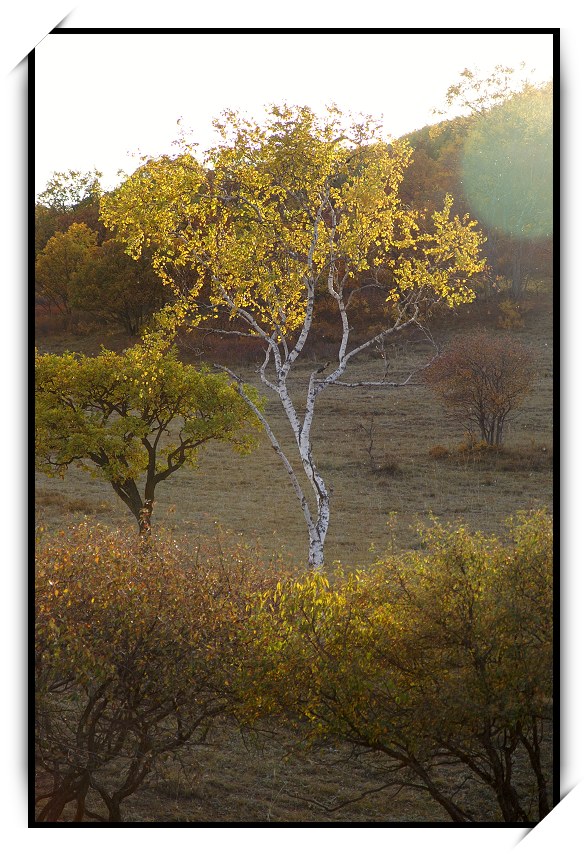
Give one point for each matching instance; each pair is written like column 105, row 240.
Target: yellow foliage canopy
column 284, row 208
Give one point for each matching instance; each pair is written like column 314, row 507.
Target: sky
column 100, row 100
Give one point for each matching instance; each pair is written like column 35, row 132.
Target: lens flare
column 507, row 167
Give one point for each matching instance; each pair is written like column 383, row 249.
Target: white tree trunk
column 317, row 523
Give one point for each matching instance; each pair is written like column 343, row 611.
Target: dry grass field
column 416, row 469
column 233, row 780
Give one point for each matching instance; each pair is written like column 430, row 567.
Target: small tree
column 139, row 413
column 439, row 661
column 59, row 262
column 112, row 285
column 133, row 660
column 482, row 378
column 67, row 191
column 69, row 197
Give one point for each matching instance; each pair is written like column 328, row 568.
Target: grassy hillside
column 415, row 467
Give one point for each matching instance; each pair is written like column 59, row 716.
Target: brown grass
column 238, row 778
column 422, row 472
column 252, row 495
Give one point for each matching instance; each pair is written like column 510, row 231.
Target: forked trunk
column 142, row 509
column 129, row 493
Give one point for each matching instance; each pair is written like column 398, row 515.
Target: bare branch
column 262, row 369
column 275, row 445
column 381, row 383
column 361, row 796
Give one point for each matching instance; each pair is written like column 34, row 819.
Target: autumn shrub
column 383, row 463
column 390, row 465
column 134, row 651
column 531, row 457
column 48, row 323
column 59, row 261
column 438, row 660
column 511, row 316
column 47, row 499
column 438, row 452
column 113, row 287
column 472, row 445
column 482, row 378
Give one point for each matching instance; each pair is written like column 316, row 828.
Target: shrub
column 438, row 452
column 482, row 378
column 439, row 660
column 389, row 465
column 510, row 316
column 532, row 457
column 114, row 287
column 134, row 651
column 472, row 444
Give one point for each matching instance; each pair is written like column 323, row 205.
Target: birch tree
column 280, row 214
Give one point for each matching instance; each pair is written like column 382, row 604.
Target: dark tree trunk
column 147, row 504
column 66, row 791
column 145, row 518
column 53, row 809
column 518, row 275
column 114, row 813
column 501, row 778
column 533, row 748
column 129, row 493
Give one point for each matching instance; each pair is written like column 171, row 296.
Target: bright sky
column 99, row 98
